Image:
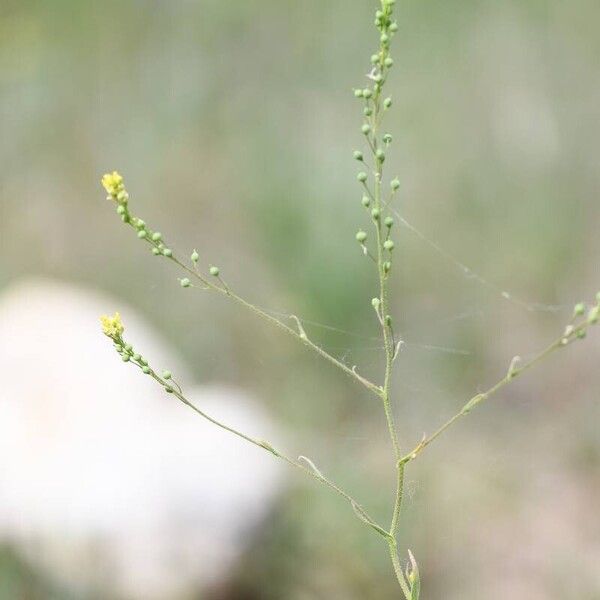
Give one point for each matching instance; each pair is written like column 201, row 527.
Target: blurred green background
column 234, row 125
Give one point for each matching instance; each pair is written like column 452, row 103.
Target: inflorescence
column 376, row 200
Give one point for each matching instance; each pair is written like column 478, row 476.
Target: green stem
column 301, row 336
column 310, row 470
column 561, row 342
column 393, row 550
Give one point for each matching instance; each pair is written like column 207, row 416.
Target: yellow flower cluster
column 115, row 187
column 112, row 326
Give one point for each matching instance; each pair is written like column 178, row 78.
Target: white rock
column 106, row 480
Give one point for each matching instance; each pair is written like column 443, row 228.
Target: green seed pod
column 146, row 370
column 214, row 271
column 169, row 389
column 380, row 154
column 387, row 102
column 375, row 213
column 581, row 334
column 167, row 252
column 579, row 310
column 387, row 139
column 358, row 155
column 366, row 129
column 157, row 236
column 594, row 315
column 185, row 283
column 155, row 251
column 387, row 267
column 388, row 320
column 389, row 62
column 362, row 177
column 395, row 184
column 361, row 237
column 366, row 201
column 195, row 256
column 388, row 245
column 142, row 234
column 389, row 222
column 167, row 375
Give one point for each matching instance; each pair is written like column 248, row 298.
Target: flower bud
column 361, row 237
column 195, row 257
column 367, row 93
column 387, row 267
column 362, row 176
column 358, row 155
column 157, row 236
column 388, row 245
column 375, row 59
column 214, row 271
column 387, row 139
column 395, row 184
column 368, row 111
column 366, row 129
column 167, row 375
column 389, row 62
column 594, row 315
column 375, row 213
column 146, row 370
column 155, row 251
column 375, row 303
column 167, row 252
column 380, row 154
column 358, row 93
column 579, row 310
column 185, row 283
column 389, row 222
column 142, row 234
column 387, row 102
column 366, row 201
column 385, row 39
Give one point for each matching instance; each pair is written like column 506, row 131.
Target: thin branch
column 512, row 374
column 312, row 471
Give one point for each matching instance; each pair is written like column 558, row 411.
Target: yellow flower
column 112, row 326
column 113, row 184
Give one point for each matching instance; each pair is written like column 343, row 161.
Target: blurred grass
column 234, row 125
